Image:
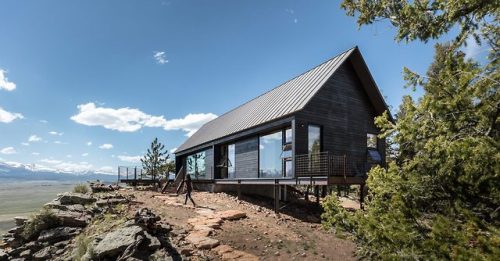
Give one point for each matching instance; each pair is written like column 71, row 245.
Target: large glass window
column 270, row 151
column 288, row 168
column 231, row 160
column 196, row 165
column 288, row 136
column 314, row 139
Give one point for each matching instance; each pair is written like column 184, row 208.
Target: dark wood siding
column 247, row 158
column 345, row 113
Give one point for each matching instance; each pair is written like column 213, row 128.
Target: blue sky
column 93, row 82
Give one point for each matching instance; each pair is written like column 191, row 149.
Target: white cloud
column 73, row 167
column 34, row 138
column 106, row 170
column 8, row 150
column 56, row 133
column 173, row 150
column 160, row 57
column 85, row 154
column 7, row 117
column 25, row 143
column 68, row 166
column 60, row 142
column 190, row 124
column 4, row 82
column 106, row 146
column 132, row 159
column 44, row 121
column 35, row 153
column 69, row 156
column 89, row 143
column 50, row 161
column 130, row 119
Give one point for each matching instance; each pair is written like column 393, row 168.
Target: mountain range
column 22, row 172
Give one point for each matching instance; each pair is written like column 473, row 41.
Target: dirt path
column 261, row 234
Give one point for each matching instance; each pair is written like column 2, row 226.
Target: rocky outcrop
column 98, row 187
column 69, row 198
column 58, row 234
column 62, row 219
column 117, row 241
column 135, row 239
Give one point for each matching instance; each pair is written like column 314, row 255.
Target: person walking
column 189, row 189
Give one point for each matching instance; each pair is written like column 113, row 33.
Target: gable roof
column 279, row 102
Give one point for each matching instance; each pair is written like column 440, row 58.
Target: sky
column 87, row 85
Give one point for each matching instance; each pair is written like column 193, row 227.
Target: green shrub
column 43, row 220
column 81, row 188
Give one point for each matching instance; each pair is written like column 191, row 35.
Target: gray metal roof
column 281, row 101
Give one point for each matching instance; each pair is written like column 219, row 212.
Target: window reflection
column 196, row 165
column 314, row 139
column 231, row 160
column 371, row 141
column 270, row 151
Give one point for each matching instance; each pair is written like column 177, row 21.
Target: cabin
column 316, row 129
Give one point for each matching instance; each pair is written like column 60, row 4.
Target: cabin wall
column 343, row 110
column 247, row 158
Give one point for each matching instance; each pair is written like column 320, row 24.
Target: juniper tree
column 155, row 159
column 440, row 199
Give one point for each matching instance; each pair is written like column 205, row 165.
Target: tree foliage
column 155, row 159
column 440, row 197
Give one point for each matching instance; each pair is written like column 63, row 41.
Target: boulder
column 25, row 254
column 117, row 241
column 231, row 214
column 43, row 254
column 153, row 242
column 71, row 218
column 20, row 220
column 3, row 255
column 202, row 242
column 111, row 202
column 74, row 208
column 75, row 198
column 58, row 234
column 15, row 230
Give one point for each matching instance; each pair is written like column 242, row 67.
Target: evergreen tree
column 440, row 198
column 155, row 159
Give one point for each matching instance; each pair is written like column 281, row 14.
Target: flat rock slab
column 72, row 218
column 117, row 241
column 231, row 214
column 75, row 198
column 111, row 201
column 20, row 220
column 228, row 253
column 202, row 242
column 58, row 234
column 3, row 255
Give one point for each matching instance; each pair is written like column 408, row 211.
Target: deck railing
column 327, row 164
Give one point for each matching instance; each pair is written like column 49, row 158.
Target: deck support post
column 135, row 176
column 239, row 189
column 276, row 197
column 316, row 193
column 361, row 195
